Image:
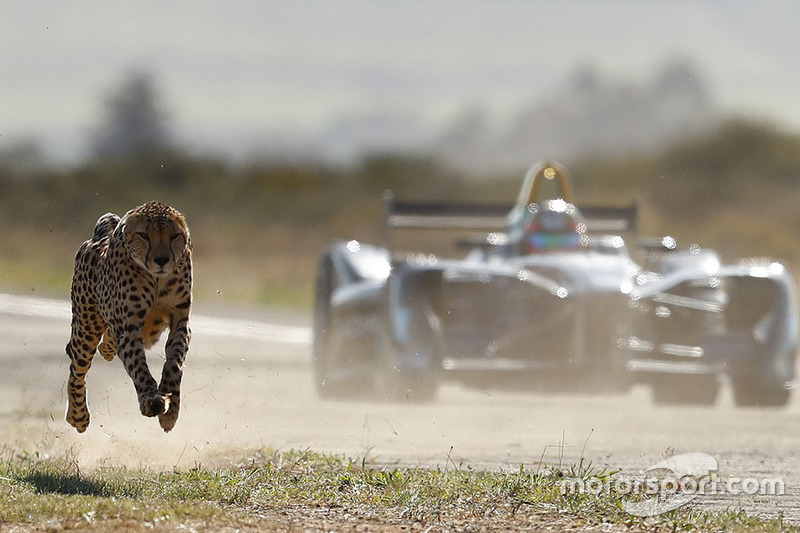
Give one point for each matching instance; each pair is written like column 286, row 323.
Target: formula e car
column 548, row 298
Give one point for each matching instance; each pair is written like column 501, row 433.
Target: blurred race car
column 548, row 298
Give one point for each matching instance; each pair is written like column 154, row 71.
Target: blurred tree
column 726, row 167
column 23, row 158
column 134, row 123
column 408, row 175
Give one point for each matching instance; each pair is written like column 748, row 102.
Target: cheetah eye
column 143, row 235
column 175, row 236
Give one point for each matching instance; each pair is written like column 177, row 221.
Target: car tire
column 321, row 333
column 328, row 385
column 748, row 393
column 686, row 390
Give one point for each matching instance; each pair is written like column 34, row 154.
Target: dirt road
column 247, row 384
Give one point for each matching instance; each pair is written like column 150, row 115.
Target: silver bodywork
column 583, row 318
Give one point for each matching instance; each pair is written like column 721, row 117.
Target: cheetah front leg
column 131, row 350
column 80, row 349
column 172, row 373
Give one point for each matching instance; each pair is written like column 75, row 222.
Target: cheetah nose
column 161, row 261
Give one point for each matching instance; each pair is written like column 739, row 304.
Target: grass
column 280, row 490
column 37, row 262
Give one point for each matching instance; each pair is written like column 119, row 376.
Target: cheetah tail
column 105, row 226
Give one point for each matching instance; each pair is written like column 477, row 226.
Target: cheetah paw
column 80, row 423
column 107, row 351
column 167, row 420
column 153, row 405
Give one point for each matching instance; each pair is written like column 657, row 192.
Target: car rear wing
column 443, row 215
column 493, row 217
column 601, row 219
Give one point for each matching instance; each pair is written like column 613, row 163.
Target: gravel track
column 247, row 384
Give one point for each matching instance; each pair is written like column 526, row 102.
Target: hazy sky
column 233, row 73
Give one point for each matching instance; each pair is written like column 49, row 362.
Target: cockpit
column 546, row 220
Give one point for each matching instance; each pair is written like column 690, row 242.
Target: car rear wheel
column 686, row 389
column 747, row 392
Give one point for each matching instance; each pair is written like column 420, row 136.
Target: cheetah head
column 156, row 236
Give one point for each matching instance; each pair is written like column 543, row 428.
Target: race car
column 547, row 297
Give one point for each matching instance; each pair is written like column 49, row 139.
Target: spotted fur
column 132, row 280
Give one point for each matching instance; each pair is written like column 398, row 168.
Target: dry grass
column 273, row 266
column 313, row 492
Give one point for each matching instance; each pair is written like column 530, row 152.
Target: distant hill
column 590, row 114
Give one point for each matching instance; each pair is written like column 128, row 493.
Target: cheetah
column 132, row 280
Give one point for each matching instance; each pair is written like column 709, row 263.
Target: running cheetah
column 132, row 280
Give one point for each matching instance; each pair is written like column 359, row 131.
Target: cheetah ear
column 125, row 224
column 130, row 218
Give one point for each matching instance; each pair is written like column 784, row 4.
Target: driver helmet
column 553, row 226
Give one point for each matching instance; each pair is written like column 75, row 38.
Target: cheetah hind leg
column 108, row 348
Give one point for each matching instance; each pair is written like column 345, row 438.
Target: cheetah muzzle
column 132, row 280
